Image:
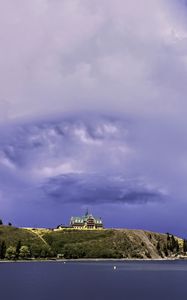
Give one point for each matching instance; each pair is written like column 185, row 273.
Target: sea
column 94, row 280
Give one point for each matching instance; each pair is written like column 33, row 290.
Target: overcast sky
column 93, row 112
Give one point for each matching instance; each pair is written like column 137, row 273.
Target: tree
column 1, row 222
column 46, row 251
column 2, row 250
column 24, row 252
column 158, row 247
column 175, row 244
column 18, row 249
column 165, row 250
column 35, row 251
column 9, row 224
column 169, row 246
column 11, row 253
column 184, row 245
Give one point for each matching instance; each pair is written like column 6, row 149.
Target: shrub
column 11, row 253
column 24, row 252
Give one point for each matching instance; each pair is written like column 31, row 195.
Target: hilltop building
column 86, row 222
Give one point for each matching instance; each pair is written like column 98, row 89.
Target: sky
column 93, row 112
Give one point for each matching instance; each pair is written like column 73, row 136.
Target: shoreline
column 95, row 260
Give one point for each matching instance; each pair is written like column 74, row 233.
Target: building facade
column 88, row 221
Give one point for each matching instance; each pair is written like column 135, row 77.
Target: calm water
column 94, row 281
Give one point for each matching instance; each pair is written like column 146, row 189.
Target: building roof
column 85, row 218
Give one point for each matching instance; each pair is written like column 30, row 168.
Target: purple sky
column 93, row 112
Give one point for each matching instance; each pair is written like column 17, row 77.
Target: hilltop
column 107, row 243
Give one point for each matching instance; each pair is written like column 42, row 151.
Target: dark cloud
column 75, row 159
column 95, row 189
column 55, row 167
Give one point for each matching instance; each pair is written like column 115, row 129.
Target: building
column 86, row 222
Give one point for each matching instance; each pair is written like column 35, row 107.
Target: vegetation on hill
column 18, row 243
column 14, row 238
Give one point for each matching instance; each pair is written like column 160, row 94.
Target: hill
column 107, row 243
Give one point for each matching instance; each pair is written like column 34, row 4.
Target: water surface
column 94, row 280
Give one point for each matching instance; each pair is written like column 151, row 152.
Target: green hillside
column 108, row 243
column 11, row 235
column 112, row 243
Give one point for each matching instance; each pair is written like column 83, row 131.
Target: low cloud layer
column 97, row 189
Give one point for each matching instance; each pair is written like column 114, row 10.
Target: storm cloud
column 93, row 110
column 75, row 159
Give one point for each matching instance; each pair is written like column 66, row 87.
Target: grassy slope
column 94, row 244
column 12, row 235
column 108, row 243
